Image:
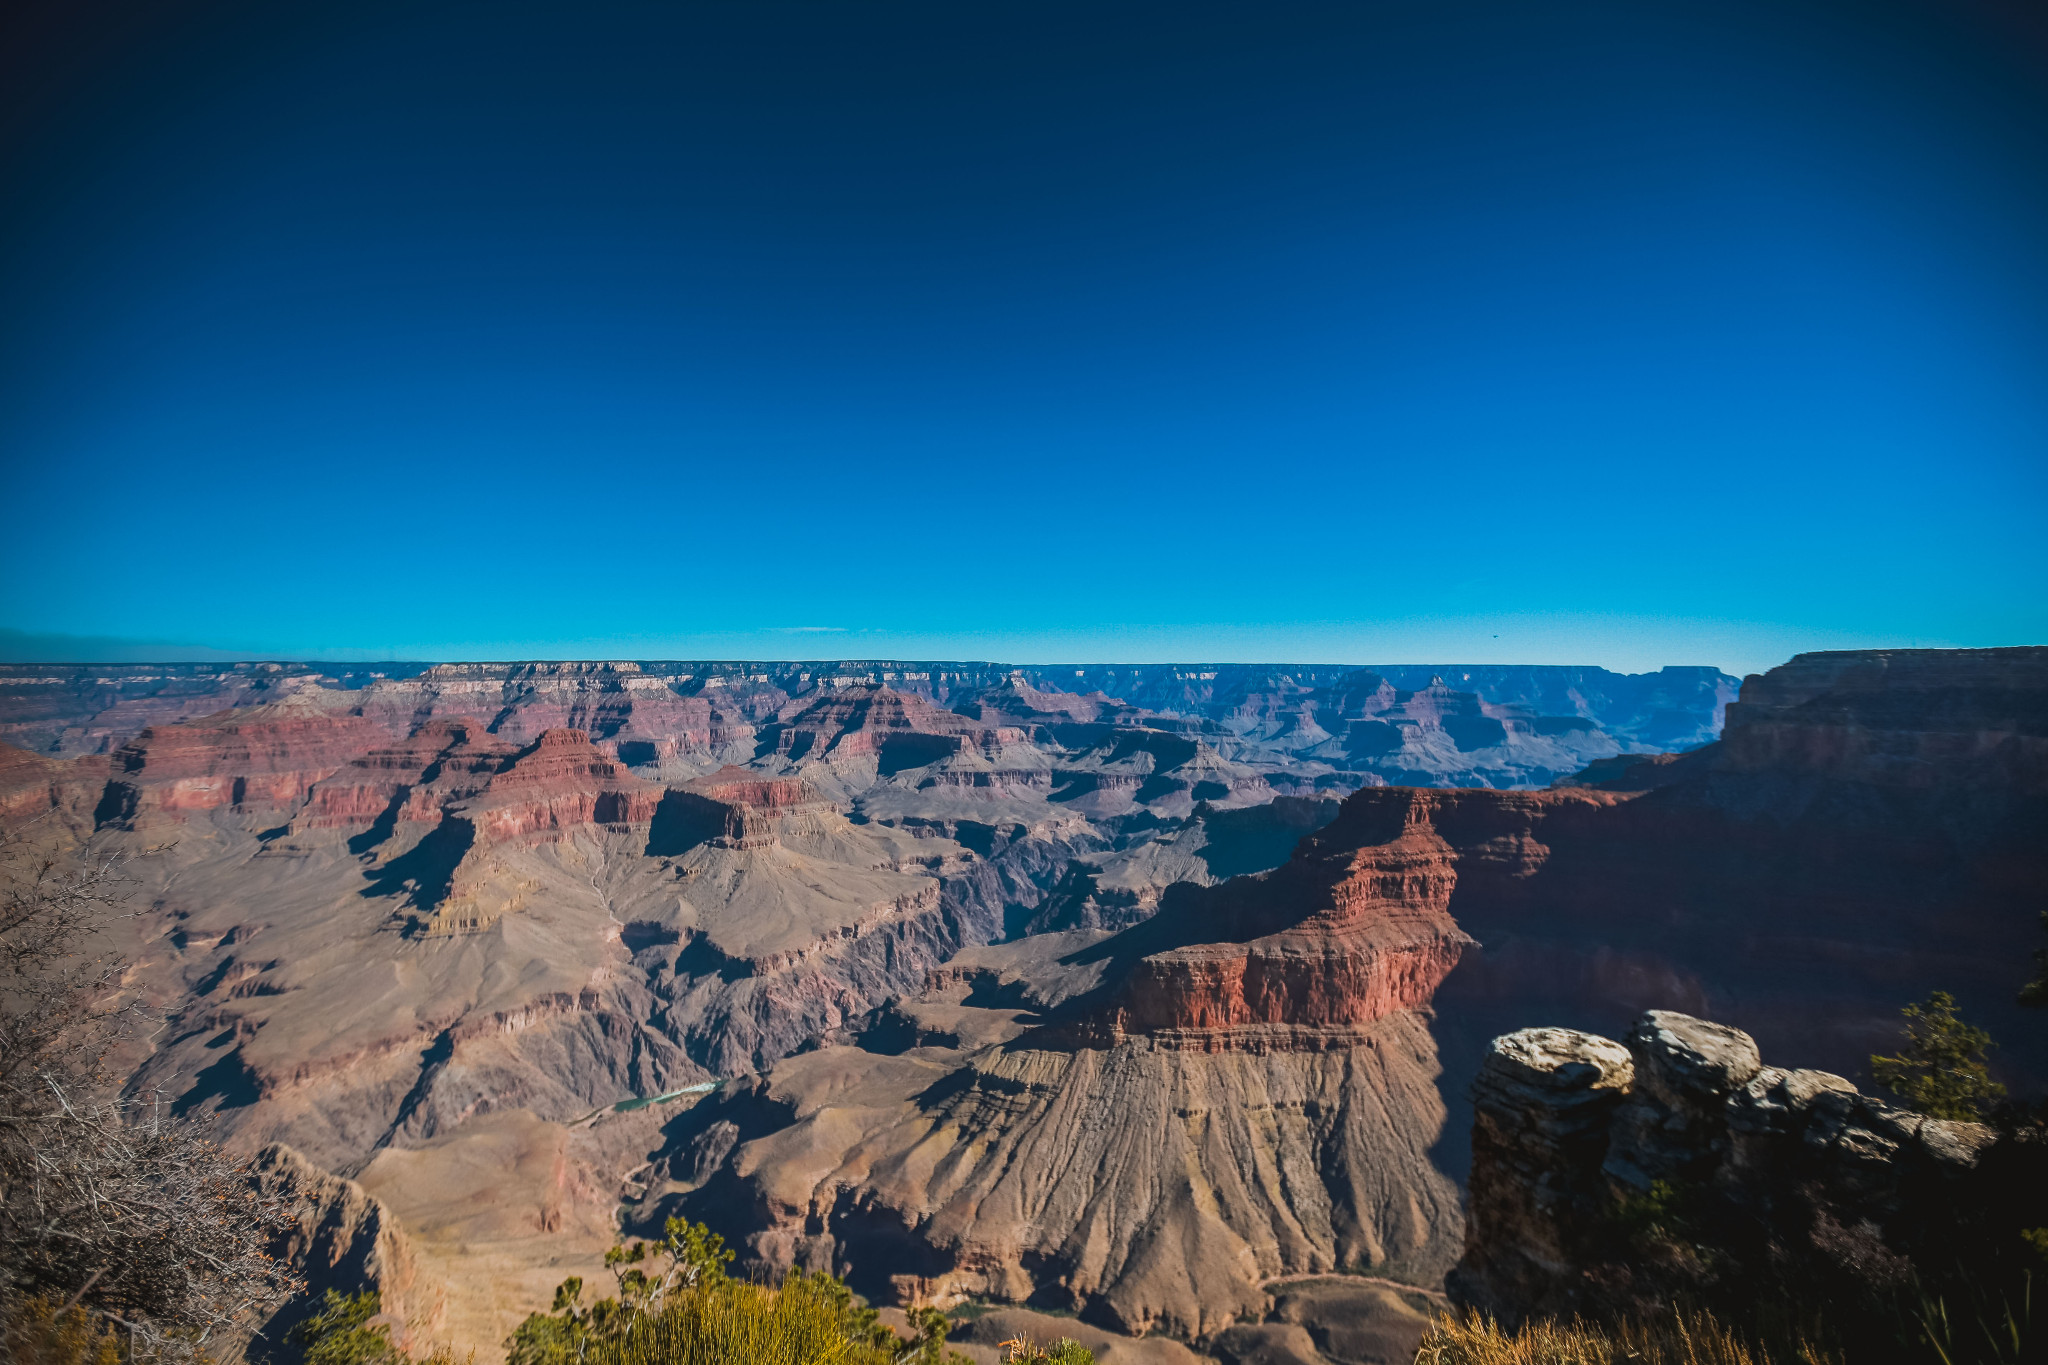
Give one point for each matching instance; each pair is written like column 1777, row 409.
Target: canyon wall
column 1145, row 1127
column 1867, row 830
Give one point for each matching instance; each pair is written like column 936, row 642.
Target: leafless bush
column 104, row 1203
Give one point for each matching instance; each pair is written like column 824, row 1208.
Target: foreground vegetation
column 1683, row 1338
column 118, row 1223
column 676, row 1305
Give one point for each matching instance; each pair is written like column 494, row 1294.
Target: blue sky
column 1607, row 333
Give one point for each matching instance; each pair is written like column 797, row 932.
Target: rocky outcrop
column 559, row 783
column 1914, row 719
column 341, row 1238
column 1610, row 1178
column 732, row 808
column 411, row 782
column 895, row 729
column 35, row 789
column 1867, row 831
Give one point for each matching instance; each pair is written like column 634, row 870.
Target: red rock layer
column 624, row 710
column 262, row 757
column 733, row 807
column 561, row 782
column 445, row 760
column 858, row 721
column 33, row 787
column 1868, row 830
column 1357, row 928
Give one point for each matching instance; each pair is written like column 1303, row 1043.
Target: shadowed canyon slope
column 1012, row 986
column 1144, row 1126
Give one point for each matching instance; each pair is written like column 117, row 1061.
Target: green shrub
column 341, row 1333
column 677, row 1306
column 35, row 1333
column 1065, row 1351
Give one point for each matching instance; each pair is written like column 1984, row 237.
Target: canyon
column 1154, row 994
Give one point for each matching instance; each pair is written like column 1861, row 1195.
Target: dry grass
column 1681, row 1339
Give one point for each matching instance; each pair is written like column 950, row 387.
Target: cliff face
column 342, row 1238
column 259, row 758
column 60, row 792
column 1371, row 935
column 1610, row 1178
column 1310, row 730
column 1921, row 720
column 1867, row 830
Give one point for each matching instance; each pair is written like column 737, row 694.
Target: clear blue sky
column 1625, row 333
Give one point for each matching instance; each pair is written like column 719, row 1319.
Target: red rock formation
column 854, row 722
column 1868, row 830
column 1371, row 934
column 256, row 758
column 731, row 808
column 559, row 783
column 447, row 759
column 34, row 787
column 614, row 702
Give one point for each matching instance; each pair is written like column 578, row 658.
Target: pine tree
column 1940, row 1072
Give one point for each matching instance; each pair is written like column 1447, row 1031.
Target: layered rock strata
column 1868, row 830
column 1138, row 1127
column 262, row 758
column 1306, row 730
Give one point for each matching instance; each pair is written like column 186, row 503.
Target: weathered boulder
column 1607, row 1177
column 1544, row 1101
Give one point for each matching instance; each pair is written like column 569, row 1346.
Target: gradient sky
column 1625, row 333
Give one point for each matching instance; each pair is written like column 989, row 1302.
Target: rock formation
column 1254, row 1103
column 261, row 758
column 1610, row 1178
column 1308, row 730
column 1867, row 830
column 344, row 1239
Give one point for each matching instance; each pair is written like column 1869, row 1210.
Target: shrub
column 1065, row 1351
column 107, row 1207
column 343, row 1333
column 37, row 1333
column 685, row 1310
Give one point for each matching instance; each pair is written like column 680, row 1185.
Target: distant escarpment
column 1307, row 729
column 1142, row 1127
column 1613, row 1179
